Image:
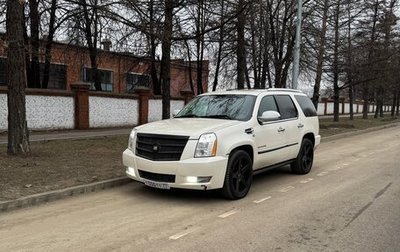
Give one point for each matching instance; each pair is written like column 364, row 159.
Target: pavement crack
column 359, row 213
column 380, row 193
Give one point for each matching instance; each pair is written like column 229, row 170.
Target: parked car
column 220, row 139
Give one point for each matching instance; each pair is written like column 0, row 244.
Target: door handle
column 281, row 129
column 300, row 125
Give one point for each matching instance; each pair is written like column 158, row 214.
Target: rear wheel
column 304, row 161
column 239, row 175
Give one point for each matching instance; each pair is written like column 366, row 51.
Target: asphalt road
column 349, row 202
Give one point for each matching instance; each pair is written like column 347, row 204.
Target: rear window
column 306, row 105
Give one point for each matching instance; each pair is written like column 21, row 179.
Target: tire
column 304, row 160
column 239, row 175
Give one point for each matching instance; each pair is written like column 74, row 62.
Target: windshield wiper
column 219, row 117
column 187, row 116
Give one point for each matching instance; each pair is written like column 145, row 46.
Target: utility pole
column 296, row 54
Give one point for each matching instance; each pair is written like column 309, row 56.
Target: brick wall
column 75, row 58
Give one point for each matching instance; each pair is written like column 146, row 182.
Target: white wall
column 112, row 112
column 155, row 108
column 3, row 112
column 43, row 112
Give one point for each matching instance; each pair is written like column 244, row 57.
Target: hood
column 192, row 127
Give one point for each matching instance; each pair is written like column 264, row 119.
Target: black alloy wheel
column 239, row 175
column 304, row 161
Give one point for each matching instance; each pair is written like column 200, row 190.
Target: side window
column 306, row 105
column 267, row 104
column 286, row 106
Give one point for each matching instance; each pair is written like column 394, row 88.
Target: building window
column 57, row 75
column 134, row 80
column 105, row 76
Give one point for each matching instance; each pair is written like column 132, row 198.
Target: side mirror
column 175, row 112
column 269, row 116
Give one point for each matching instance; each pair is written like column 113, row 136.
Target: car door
column 291, row 125
column 269, row 137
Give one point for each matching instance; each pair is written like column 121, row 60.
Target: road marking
column 180, row 235
column 306, row 181
column 346, row 164
column 286, row 189
column 262, row 200
column 336, row 168
column 227, row 214
column 322, row 174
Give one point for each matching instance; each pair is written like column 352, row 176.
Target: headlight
column 131, row 143
column 206, row 146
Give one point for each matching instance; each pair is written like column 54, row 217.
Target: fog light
column 192, row 179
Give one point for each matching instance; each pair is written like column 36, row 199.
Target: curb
column 358, row 132
column 41, row 198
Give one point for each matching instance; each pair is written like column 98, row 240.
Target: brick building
column 120, row 72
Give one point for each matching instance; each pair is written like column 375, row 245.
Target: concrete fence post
column 342, row 99
column 325, row 101
column 144, row 95
column 81, row 91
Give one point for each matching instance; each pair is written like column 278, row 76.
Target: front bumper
column 184, row 170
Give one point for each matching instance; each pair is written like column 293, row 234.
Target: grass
column 329, row 128
column 59, row 164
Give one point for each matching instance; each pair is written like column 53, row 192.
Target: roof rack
column 267, row 89
column 286, row 90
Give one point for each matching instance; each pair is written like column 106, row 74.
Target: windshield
column 229, row 107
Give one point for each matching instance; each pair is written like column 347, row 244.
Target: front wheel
column 304, row 160
column 239, row 175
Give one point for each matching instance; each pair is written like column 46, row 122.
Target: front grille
column 157, row 177
column 160, row 147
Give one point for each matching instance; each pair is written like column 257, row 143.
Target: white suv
column 220, row 139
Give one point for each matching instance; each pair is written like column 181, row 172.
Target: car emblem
column 156, row 148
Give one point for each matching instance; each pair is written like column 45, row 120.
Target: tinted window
column 306, row 105
column 267, row 104
column 235, row 107
column 286, row 106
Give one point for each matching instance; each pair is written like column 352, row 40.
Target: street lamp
column 296, row 53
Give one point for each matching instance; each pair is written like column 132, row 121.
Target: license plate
column 156, row 184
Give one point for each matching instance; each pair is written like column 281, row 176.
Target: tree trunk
column 190, row 66
column 398, row 104
column 49, row 44
column 365, row 103
column 220, row 46
column 393, row 109
column 320, row 57
column 91, row 39
column 336, row 66
column 166, row 58
column 35, row 44
column 153, row 47
column 240, row 49
column 18, row 135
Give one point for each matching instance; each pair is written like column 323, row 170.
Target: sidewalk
column 71, row 134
